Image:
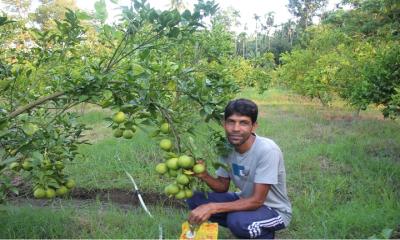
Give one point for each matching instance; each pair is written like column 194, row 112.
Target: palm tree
column 257, row 18
column 242, row 38
column 269, row 23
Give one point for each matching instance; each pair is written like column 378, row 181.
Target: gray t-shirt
column 262, row 163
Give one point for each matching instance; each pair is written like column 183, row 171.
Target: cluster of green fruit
column 28, row 165
column 49, row 192
column 124, row 127
column 45, row 165
column 180, row 168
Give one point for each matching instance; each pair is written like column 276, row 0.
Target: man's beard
column 242, row 141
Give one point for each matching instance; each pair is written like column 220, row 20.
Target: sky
column 247, row 9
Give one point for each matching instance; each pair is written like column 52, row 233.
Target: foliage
column 49, row 10
column 348, row 57
column 353, row 167
column 253, row 73
column 144, row 66
column 305, row 10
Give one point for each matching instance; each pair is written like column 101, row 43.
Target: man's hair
column 242, row 107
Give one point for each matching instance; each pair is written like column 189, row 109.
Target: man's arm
column 203, row 212
column 219, row 184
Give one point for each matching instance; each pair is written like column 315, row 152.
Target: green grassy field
column 343, row 176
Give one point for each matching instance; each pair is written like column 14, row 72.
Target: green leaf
column 137, row 69
column 83, row 98
column 107, row 94
column 146, row 122
column 101, row 10
column 387, row 233
column 217, row 165
column 208, row 109
column 174, row 32
column 155, row 133
column 3, row 21
column 191, row 143
column 82, row 15
column 5, row 84
column 30, row 128
column 9, row 160
column 37, row 155
column 186, row 14
column 14, row 190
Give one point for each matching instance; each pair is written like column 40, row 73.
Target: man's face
column 238, row 129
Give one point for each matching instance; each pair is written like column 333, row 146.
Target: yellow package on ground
column 204, row 231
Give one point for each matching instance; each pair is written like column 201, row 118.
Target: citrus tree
column 350, row 55
column 145, row 68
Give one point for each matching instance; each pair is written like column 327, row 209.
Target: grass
column 343, row 175
column 70, row 219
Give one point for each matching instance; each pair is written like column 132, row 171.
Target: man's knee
column 237, row 226
column 243, row 228
column 196, row 200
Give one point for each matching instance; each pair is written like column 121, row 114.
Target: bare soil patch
column 124, row 198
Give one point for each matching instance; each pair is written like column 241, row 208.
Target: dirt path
column 124, row 198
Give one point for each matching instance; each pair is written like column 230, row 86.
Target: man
column 256, row 167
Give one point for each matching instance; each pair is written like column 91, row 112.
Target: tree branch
column 35, row 103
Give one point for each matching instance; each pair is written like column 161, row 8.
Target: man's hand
column 219, row 184
column 201, row 214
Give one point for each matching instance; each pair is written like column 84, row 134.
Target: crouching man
column 257, row 169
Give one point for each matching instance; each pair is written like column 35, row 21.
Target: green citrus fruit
column 166, row 144
column 172, row 173
column 161, row 168
column 128, row 134
column 118, row 133
column 13, row 152
column 61, row 191
column 50, row 193
column 58, row 150
column 188, row 193
column 199, row 168
column 164, row 128
column 182, row 179
column 46, row 164
column 59, row 165
column 172, row 163
column 119, row 117
column 15, row 166
column 27, row 165
column 128, row 124
column 180, row 195
column 70, row 183
column 30, row 128
column 185, row 161
column 39, row 193
column 171, row 189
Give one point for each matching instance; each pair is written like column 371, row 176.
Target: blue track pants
column 260, row 223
